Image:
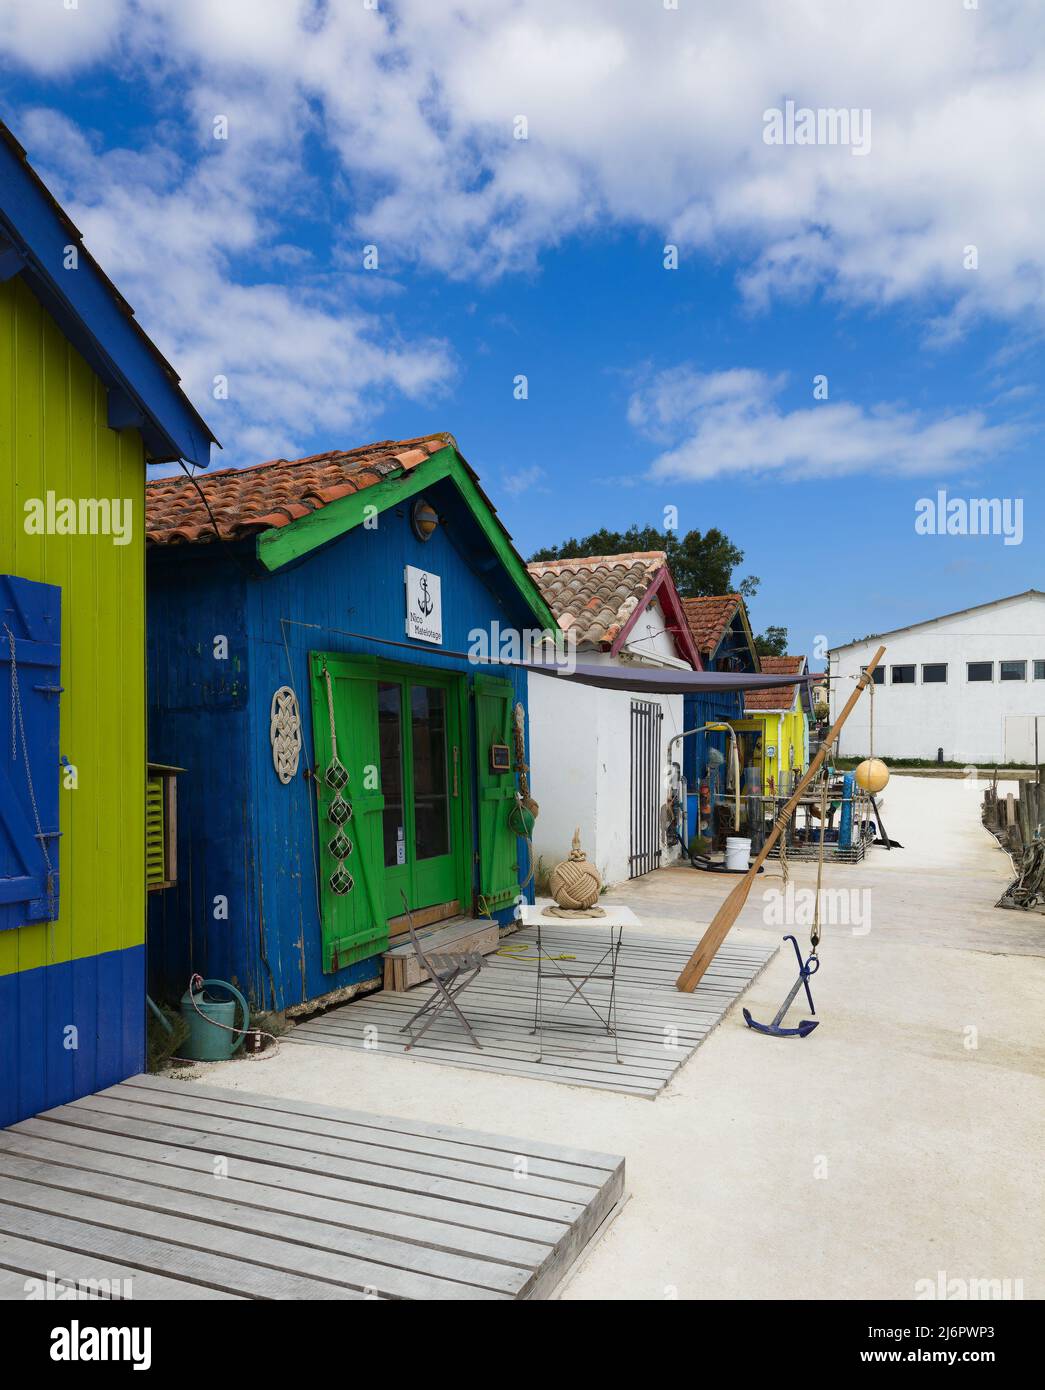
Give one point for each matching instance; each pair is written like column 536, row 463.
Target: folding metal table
column 615, row 920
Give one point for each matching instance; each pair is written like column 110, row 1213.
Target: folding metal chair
column 451, row 973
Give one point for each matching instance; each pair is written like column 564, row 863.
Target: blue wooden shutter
column 31, row 613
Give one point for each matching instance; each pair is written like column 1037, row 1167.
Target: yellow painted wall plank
column 54, row 436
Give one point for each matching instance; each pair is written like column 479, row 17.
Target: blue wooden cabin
column 347, row 585
column 722, row 634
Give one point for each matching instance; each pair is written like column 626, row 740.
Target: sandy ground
column 901, row 1140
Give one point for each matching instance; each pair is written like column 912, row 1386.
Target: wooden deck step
column 402, row 969
column 166, row 1189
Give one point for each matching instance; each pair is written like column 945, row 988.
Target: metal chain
column 16, row 719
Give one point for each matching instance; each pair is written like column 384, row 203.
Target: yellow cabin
column 773, row 736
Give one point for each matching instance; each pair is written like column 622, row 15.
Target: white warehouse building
column 970, row 683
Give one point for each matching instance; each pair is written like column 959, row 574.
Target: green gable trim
column 281, row 545
column 498, row 538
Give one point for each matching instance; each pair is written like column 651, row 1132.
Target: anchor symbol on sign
column 424, row 602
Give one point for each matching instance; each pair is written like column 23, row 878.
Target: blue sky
column 692, row 388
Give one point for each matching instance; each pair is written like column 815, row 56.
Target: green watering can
column 213, row 1035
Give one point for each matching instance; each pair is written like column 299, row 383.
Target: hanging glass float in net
column 336, row 775
column 340, row 846
column 341, row 881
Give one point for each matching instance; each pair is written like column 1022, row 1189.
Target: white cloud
column 719, row 424
column 52, row 36
column 524, row 480
column 180, row 240
column 637, row 116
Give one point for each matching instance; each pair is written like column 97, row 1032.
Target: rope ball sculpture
column 575, row 883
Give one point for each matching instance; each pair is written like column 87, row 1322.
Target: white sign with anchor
column 424, row 605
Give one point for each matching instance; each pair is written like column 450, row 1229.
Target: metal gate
column 646, row 719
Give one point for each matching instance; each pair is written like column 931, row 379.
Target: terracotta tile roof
column 248, row 500
column 595, row 595
column 775, row 696
column 708, row 618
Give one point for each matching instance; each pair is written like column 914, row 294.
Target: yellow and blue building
column 86, row 401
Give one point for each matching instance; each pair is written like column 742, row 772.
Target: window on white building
column 1012, row 670
column 934, row 673
column 902, row 675
column 981, row 670
column 1039, row 670
column 877, row 675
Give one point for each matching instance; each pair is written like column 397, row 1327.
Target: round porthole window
column 423, row 519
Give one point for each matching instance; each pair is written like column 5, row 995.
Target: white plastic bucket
column 738, row 852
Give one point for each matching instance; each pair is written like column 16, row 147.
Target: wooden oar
column 730, row 909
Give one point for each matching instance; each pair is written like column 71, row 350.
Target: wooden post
column 1023, row 815
column 728, row 913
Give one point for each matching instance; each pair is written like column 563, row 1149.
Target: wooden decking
column 658, row 1028
column 195, row 1192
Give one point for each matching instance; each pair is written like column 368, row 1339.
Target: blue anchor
column 805, row 970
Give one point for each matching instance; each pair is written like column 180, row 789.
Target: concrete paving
column 901, row 1140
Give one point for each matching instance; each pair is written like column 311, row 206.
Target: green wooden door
column 436, row 839
column 354, row 921
column 398, row 732
column 425, row 840
column 498, row 845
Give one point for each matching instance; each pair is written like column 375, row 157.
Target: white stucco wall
column 973, row 722
column 580, row 755
column 563, row 753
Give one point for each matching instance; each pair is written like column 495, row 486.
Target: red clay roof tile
column 708, row 618
column 595, row 595
column 247, row 500
column 775, row 696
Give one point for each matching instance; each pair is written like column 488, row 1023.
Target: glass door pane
column 431, row 793
column 390, row 738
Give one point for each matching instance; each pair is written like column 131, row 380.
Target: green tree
column 701, row 562
column 772, row 642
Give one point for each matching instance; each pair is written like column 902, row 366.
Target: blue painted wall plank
column 198, row 720
column 26, row 1092
column 94, row 1042
column 102, row 997
column 129, row 969
column 61, row 1012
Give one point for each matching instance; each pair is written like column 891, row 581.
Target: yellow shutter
column 155, row 858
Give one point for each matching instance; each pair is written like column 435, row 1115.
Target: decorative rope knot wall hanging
column 285, row 733
column 339, row 811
